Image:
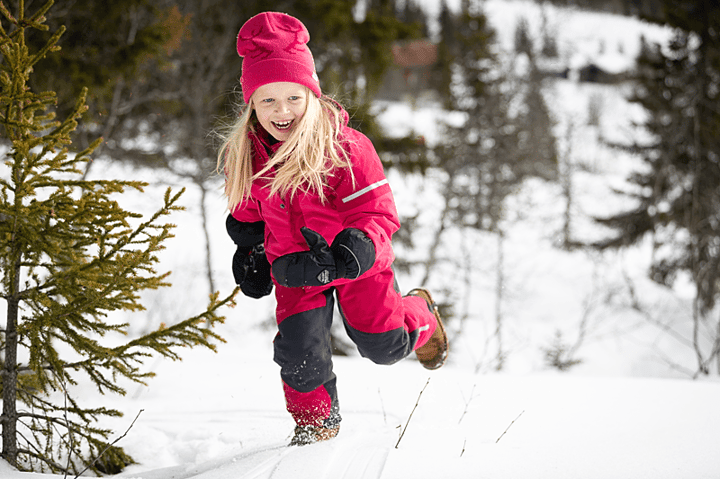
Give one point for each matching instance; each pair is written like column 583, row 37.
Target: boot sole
column 433, row 354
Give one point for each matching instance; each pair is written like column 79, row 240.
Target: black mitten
column 348, row 257
column 252, row 272
column 354, row 253
column 250, row 266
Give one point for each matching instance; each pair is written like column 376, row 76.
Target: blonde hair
column 302, row 163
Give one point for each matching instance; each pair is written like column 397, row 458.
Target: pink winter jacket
column 367, row 205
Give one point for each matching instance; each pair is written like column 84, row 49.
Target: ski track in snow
column 356, row 456
column 360, row 451
column 348, row 459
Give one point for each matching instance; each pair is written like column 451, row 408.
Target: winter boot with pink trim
column 432, row 355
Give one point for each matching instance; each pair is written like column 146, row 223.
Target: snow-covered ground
column 220, row 416
column 628, row 410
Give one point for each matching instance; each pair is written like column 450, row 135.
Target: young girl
column 313, row 214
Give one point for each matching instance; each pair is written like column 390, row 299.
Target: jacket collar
column 267, row 141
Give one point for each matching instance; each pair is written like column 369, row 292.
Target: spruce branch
column 50, row 45
column 6, row 13
column 125, row 360
column 38, row 18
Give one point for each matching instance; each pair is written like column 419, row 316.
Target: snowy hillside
column 602, row 305
column 627, row 410
column 220, row 416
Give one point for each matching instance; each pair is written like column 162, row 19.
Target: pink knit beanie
column 273, row 47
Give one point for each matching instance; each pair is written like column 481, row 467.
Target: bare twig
column 382, row 405
column 467, row 403
column 507, row 428
column 481, row 364
column 411, row 414
column 110, row 445
column 637, row 306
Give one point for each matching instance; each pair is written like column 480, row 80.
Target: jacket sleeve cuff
column 245, row 235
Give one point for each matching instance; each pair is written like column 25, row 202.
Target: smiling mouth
column 282, row 125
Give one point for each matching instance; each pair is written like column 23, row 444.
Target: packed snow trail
column 356, row 455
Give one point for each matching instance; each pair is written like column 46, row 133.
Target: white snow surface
column 220, row 416
column 628, row 410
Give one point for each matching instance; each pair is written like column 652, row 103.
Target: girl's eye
column 267, row 100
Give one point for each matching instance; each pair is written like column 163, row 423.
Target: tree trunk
column 499, row 290
column 433, row 252
column 9, row 374
column 208, row 247
column 566, row 180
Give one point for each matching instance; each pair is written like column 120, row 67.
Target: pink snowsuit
column 385, row 326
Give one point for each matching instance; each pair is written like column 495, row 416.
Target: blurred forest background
column 163, row 76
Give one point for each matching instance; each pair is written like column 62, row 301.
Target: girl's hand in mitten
column 354, row 253
column 250, row 266
column 351, row 254
column 252, row 272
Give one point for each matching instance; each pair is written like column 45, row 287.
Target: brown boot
column 432, row 354
column 305, row 435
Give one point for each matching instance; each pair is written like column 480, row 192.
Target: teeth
column 283, row 124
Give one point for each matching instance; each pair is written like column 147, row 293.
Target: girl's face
column 279, row 107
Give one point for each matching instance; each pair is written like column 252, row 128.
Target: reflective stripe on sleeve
column 367, row 189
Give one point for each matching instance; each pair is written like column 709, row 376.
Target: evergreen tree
column 676, row 196
column 536, row 142
column 70, row 256
column 113, row 50
column 413, row 14
column 480, row 156
column 487, row 157
column 447, row 52
column 523, row 42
